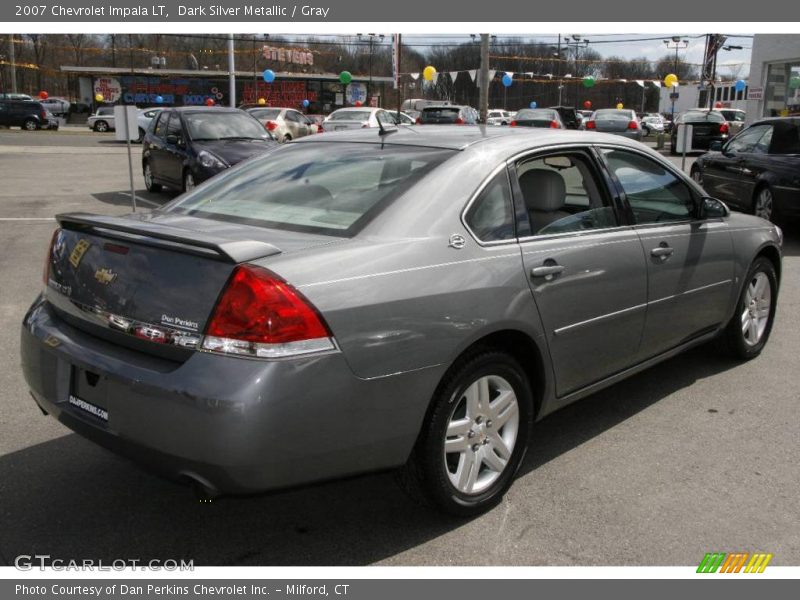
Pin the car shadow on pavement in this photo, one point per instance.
(69, 499)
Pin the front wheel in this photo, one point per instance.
(149, 182)
(474, 437)
(748, 331)
(188, 181)
(101, 127)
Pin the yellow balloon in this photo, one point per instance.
(261, 101)
(619, 106)
(670, 80)
(428, 73)
(99, 97)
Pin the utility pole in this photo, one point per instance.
(677, 43)
(558, 70)
(231, 72)
(483, 77)
(12, 59)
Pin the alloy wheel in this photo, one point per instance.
(756, 309)
(763, 206)
(481, 434)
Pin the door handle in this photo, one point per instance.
(662, 252)
(547, 271)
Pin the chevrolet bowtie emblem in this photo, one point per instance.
(105, 276)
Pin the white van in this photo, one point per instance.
(418, 104)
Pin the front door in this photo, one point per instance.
(586, 271)
(689, 260)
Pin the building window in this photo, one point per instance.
(782, 93)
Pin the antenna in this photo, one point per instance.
(383, 131)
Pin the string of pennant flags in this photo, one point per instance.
(528, 76)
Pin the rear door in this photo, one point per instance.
(156, 145)
(585, 268)
(689, 260)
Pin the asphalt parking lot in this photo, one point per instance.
(698, 454)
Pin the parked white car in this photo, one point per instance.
(498, 117)
(102, 120)
(285, 124)
(358, 117)
(652, 124)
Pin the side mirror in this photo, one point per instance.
(711, 208)
(716, 146)
(172, 140)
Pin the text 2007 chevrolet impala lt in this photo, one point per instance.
(408, 298)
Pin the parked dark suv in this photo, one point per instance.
(185, 146)
(569, 116)
(27, 114)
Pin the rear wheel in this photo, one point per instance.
(101, 126)
(474, 437)
(30, 125)
(149, 182)
(763, 204)
(287, 138)
(748, 331)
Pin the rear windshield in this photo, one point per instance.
(538, 114)
(350, 115)
(613, 115)
(440, 113)
(313, 187)
(699, 117)
(266, 113)
(211, 125)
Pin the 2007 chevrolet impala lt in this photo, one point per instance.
(410, 298)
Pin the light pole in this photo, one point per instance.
(576, 42)
(677, 43)
(372, 37)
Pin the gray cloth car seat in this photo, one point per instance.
(544, 193)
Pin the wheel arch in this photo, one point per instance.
(772, 254)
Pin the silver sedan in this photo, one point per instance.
(409, 299)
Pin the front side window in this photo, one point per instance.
(491, 216)
(654, 194)
(747, 140)
(561, 195)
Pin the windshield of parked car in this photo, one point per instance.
(266, 113)
(539, 114)
(332, 189)
(350, 115)
(212, 125)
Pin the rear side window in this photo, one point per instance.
(491, 217)
(331, 189)
(786, 138)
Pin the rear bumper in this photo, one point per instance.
(237, 425)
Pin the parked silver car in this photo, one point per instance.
(619, 121)
(102, 120)
(285, 124)
(357, 117)
(373, 300)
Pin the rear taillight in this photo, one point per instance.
(271, 125)
(44, 115)
(459, 121)
(260, 315)
(554, 125)
(419, 121)
(591, 125)
(320, 129)
(633, 125)
(724, 128)
(512, 124)
(49, 258)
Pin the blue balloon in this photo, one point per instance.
(306, 103)
(740, 85)
(269, 75)
(159, 99)
(507, 80)
(533, 104)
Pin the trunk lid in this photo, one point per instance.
(113, 276)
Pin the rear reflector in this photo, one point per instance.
(591, 125)
(260, 315)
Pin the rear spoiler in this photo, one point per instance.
(171, 238)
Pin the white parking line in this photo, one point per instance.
(27, 218)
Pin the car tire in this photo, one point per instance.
(672, 150)
(30, 125)
(645, 131)
(286, 138)
(149, 181)
(484, 459)
(101, 126)
(764, 203)
(748, 330)
(188, 181)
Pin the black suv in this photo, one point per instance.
(27, 114)
(185, 146)
(568, 115)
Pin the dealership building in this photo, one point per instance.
(188, 87)
(774, 76)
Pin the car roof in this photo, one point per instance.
(462, 137)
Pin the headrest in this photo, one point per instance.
(543, 191)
